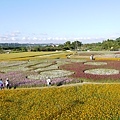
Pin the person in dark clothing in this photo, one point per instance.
(1, 84)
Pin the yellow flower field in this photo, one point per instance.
(33, 55)
(117, 59)
(84, 102)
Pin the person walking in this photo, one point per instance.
(92, 57)
(48, 81)
(7, 83)
(1, 84)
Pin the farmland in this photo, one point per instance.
(30, 69)
(82, 101)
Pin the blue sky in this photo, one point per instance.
(57, 21)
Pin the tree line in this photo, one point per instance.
(109, 44)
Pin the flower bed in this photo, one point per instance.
(95, 63)
(87, 102)
(51, 74)
(52, 67)
(34, 72)
(79, 68)
(102, 71)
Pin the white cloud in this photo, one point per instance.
(44, 34)
(39, 39)
(13, 35)
(28, 38)
(61, 38)
(64, 38)
(17, 32)
(17, 36)
(13, 38)
(56, 38)
(23, 38)
(35, 38)
(87, 38)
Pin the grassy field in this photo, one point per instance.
(80, 102)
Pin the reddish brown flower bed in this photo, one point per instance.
(88, 54)
(117, 53)
(79, 69)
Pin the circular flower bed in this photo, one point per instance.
(102, 71)
(51, 74)
(95, 63)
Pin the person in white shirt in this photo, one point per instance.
(7, 83)
(92, 57)
(48, 82)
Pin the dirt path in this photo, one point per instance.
(65, 85)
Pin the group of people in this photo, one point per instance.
(6, 84)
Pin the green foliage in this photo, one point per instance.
(110, 45)
(72, 46)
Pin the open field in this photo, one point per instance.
(83, 101)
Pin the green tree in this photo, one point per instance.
(76, 45)
(67, 45)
